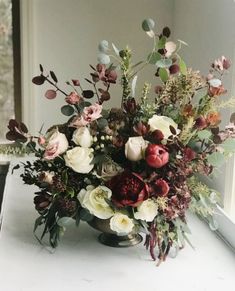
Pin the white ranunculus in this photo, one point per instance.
(82, 137)
(79, 159)
(147, 210)
(170, 47)
(94, 199)
(56, 143)
(135, 148)
(163, 124)
(121, 224)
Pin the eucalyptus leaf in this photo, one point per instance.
(164, 63)
(148, 24)
(102, 123)
(161, 42)
(65, 221)
(103, 59)
(67, 110)
(163, 74)
(183, 67)
(216, 159)
(103, 46)
(153, 58)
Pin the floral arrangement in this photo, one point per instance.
(136, 166)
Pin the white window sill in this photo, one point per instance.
(82, 263)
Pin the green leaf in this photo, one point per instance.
(161, 43)
(85, 215)
(163, 74)
(216, 159)
(64, 177)
(164, 63)
(39, 221)
(103, 59)
(70, 191)
(67, 110)
(153, 58)
(229, 145)
(148, 24)
(103, 46)
(183, 67)
(204, 134)
(65, 221)
(98, 159)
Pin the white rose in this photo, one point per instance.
(56, 144)
(163, 123)
(79, 159)
(135, 148)
(94, 199)
(82, 137)
(108, 170)
(121, 224)
(147, 210)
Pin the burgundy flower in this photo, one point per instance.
(157, 135)
(189, 154)
(158, 89)
(128, 189)
(130, 105)
(156, 156)
(160, 188)
(200, 122)
(141, 128)
(42, 200)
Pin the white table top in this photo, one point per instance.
(81, 263)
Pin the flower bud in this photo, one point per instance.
(156, 156)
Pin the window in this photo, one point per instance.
(10, 88)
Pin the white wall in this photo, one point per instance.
(63, 36)
(208, 28)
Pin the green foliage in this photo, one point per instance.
(204, 199)
(148, 24)
(216, 159)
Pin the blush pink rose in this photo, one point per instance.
(73, 98)
(92, 112)
(78, 121)
(56, 144)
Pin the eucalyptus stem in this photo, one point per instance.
(57, 88)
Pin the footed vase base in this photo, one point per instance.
(113, 240)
